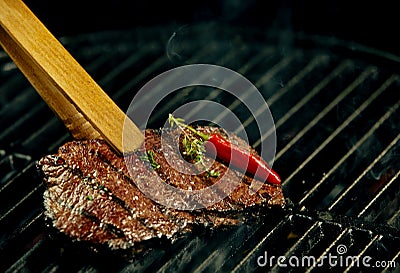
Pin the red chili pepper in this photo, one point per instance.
(241, 159)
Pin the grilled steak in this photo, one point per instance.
(92, 196)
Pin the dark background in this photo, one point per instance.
(372, 23)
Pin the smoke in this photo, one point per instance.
(173, 48)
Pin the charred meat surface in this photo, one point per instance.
(91, 195)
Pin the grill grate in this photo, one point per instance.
(337, 118)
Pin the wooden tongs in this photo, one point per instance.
(85, 109)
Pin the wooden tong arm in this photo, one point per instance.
(85, 109)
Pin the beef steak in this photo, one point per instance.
(91, 195)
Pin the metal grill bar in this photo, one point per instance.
(161, 62)
(377, 196)
(126, 64)
(394, 260)
(242, 70)
(21, 201)
(12, 83)
(346, 123)
(341, 241)
(300, 241)
(229, 251)
(38, 138)
(18, 118)
(370, 166)
(328, 108)
(328, 249)
(295, 232)
(362, 252)
(311, 66)
(243, 263)
(377, 124)
(394, 217)
(162, 113)
(20, 265)
(264, 79)
(338, 71)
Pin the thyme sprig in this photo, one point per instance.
(193, 147)
(148, 156)
(213, 173)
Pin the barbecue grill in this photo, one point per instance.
(336, 110)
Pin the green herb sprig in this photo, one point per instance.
(148, 156)
(193, 146)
